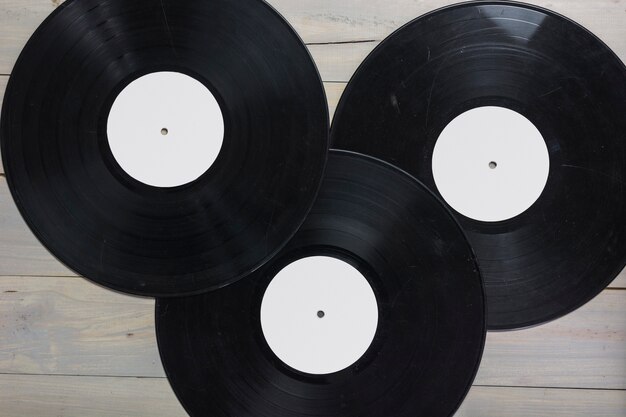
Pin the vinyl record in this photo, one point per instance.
(514, 115)
(398, 331)
(164, 147)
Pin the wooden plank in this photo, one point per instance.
(20, 252)
(68, 326)
(620, 281)
(3, 86)
(585, 349)
(67, 396)
(338, 62)
(324, 21)
(538, 402)
(333, 94)
(18, 20)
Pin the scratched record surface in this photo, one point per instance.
(164, 147)
(514, 115)
(219, 349)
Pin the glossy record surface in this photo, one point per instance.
(571, 243)
(431, 327)
(146, 240)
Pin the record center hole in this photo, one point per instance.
(493, 165)
(321, 314)
(164, 131)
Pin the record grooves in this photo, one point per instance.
(431, 324)
(181, 150)
(570, 244)
(164, 241)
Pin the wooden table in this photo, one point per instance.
(71, 348)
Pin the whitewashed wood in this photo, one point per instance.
(66, 396)
(62, 325)
(537, 402)
(70, 326)
(620, 281)
(20, 252)
(581, 348)
(3, 85)
(337, 63)
(323, 21)
(349, 20)
(333, 94)
(585, 349)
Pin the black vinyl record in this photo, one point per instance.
(571, 243)
(431, 321)
(164, 241)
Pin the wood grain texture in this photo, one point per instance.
(333, 94)
(66, 396)
(324, 21)
(517, 402)
(3, 86)
(620, 281)
(585, 349)
(20, 252)
(68, 326)
(54, 396)
(338, 62)
(73, 327)
(59, 324)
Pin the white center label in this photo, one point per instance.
(319, 315)
(165, 129)
(491, 164)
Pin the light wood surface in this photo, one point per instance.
(331, 21)
(585, 349)
(71, 348)
(69, 326)
(620, 281)
(528, 402)
(54, 396)
(67, 396)
(72, 327)
(22, 254)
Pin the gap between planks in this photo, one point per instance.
(165, 378)
(347, 20)
(21, 254)
(72, 327)
(79, 396)
(328, 22)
